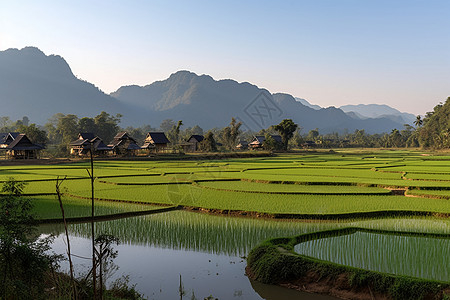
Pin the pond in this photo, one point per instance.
(207, 251)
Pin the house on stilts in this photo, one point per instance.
(19, 146)
(87, 141)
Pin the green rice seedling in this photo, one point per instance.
(422, 257)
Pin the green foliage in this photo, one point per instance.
(174, 133)
(87, 125)
(35, 134)
(286, 129)
(230, 134)
(313, 134)
(122, 289)
(107, 125)
(435, 131)
(208, 144)
(269, 143)
(23, 258)
(63, 129)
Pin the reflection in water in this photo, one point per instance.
(205, 249)
(271, 292)
(183, 230)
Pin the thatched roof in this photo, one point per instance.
(22, 142)
(86, 136)
(120, 138)
(7, 138)
(99, 145)
(85, 139)
(157, 138)
(260, 139)
(196, 138)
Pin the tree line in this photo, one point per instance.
(431, 131)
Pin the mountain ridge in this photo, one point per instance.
(379, 110)
(39, 85)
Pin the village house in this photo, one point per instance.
(243, 145)
(124, 145)
(19, 146)
(82, 145)
(7, 138)
(309, 144)
(258, 141)
(193, 142)
(155, 141)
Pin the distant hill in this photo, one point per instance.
(362, 111)
(36, 85)
(209, 103)
(306, 103)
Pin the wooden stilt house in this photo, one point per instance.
(193, 142)
(156, 142)
(82, 145)
(124, 145)
(22, 148)
(258, 141)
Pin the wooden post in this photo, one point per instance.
(94, 271)
(72, 280)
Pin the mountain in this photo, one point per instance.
(306, 103)
(209, 103)
(379, 111)
(37, 85)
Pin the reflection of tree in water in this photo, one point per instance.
(193, 231)
(225, 235)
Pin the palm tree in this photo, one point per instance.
(418, 122)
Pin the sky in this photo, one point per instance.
(329, 52)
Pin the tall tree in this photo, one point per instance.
(87, 125)
(435, 126)
(418, 122)
(67, 128)
(231, 133)
(395, 138)
(53, 134)
(35, 134)
(174, 133)
(107, 125)
(209, 143)
(313, 134)
(286, 129)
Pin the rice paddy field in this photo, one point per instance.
(306, 183)
(408, 191)
(418, 256)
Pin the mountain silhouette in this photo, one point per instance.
(212, 103)
(37, 85)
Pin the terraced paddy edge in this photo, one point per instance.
(338, 184)
(109, 217)
(276, 262)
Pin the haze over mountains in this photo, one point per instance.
(36, 85)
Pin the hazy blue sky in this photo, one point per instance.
(332, 52)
